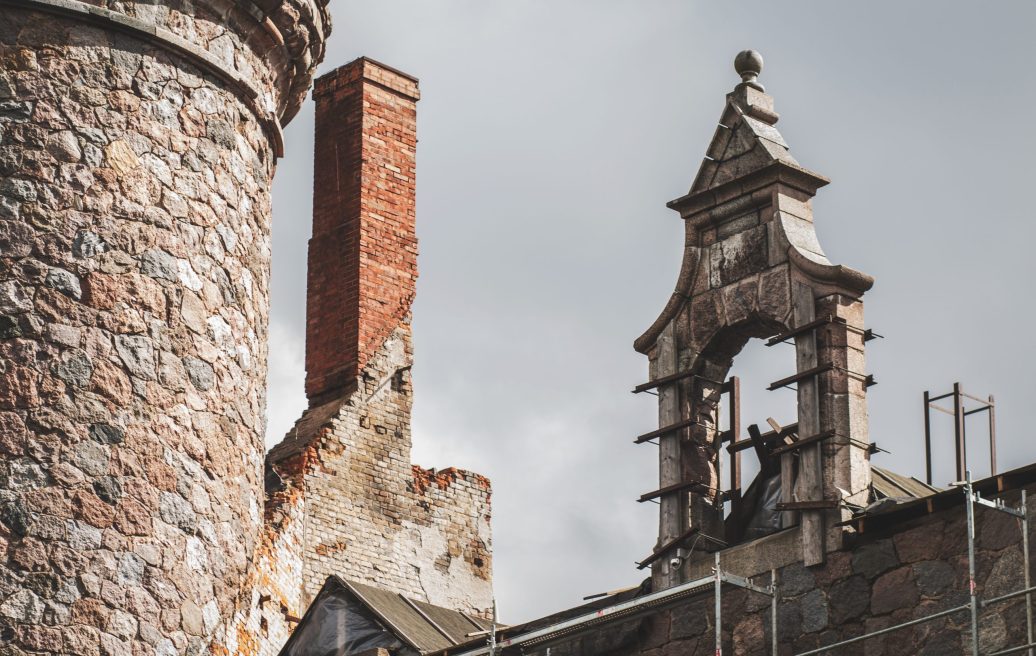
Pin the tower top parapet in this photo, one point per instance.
(264, 51)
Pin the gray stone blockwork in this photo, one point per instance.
(876, 581)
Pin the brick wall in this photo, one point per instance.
(342, 495)
(374, 518)
(363, 253)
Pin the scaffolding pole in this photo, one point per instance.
(718, 594)
(972, 592)
(719, 578)
(1028, 581)
(971, 499)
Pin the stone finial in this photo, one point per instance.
(749, 64)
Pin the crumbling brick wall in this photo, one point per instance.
(374, 518)
(342, 495)
(138, 146)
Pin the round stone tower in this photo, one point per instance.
(138, 139)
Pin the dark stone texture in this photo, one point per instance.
(934, 577)
(796, 579)
(849, 599)
(106, 434)
(690, 621)
(871, 559)
(814, 611)
(893, 591)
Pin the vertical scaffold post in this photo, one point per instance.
(928, 437)
(1027, 574)
(958, 431)
(719, 608)
(773, 611)
(969, 505)
(991, 409)
(492, 632)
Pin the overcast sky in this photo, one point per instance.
(552, 133)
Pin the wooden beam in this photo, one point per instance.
(762, 451)
(672, 511)
(807, 505)
(733, 433)
(769, 438)
(806, 441)
(810, 480)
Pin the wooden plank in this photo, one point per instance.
(768, 438)
(766, 463)
(809, 483)
(808, 505)
(787, 486)
(672, 511)
(806, 441)
(733, 434)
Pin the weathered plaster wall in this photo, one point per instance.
(134, 278)
(371, 516)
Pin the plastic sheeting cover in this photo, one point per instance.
(338, 625)
(766, 519)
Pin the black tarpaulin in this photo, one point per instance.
(338, 624)
(349, 618)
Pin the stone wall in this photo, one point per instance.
(916, 569)
(135, 172)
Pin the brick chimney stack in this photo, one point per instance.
(363, 253)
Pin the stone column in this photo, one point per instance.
(137, 148)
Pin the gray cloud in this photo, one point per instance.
(553, 133)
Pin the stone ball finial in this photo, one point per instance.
(749, 64)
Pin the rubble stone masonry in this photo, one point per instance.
(137, 145)
(906, 572)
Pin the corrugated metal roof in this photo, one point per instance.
(395, 622)
(402, 618)
(888, 484)
(891, 516)
(457, 625)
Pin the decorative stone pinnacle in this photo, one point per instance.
(749, 64)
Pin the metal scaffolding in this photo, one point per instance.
(971, 500)
(720, 579)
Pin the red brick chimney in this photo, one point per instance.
(363, 253)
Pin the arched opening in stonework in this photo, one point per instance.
(750, 484)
